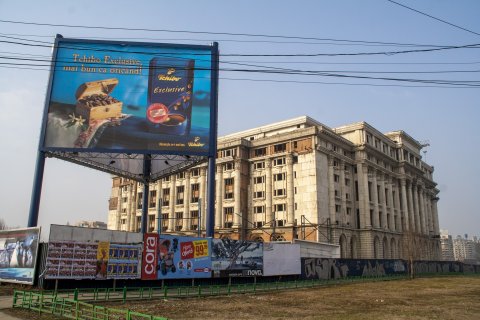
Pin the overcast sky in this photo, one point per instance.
(445, 113)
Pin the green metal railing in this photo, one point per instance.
(43, 302)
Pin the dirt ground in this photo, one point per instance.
(427, 298)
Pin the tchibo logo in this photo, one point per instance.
(149, 266)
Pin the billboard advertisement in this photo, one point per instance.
(18, 255)
(87, 260)
(130, 97)
(237, 258)
(124, 261)
(71, 260)
(176, 257)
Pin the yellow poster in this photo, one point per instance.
(102, 259)
(201, 248)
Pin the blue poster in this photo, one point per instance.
(111, 96)
(18, 255)
(183, 257)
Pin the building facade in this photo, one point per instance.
(446, 242)
(354, 186)
(466, 249)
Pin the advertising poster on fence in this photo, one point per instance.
(237, 258)
(124, 261)
(73, 255)
(125, 96)
(86, 260)
(71, 260)
(176, 257)
(18, 255)
(281, 259)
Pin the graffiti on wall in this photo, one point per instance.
(323, 268)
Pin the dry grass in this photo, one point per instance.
(427, 298)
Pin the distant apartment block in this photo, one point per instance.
(367, 191)
(446, 242)
(91, 224)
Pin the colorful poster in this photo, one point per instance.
(130, 97)
(183, 257)
(124, 261)
(103, 251)
(71, 260)
(18, 255)
(237, 258)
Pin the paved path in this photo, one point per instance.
(6, 303)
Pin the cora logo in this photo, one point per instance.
(149, 270)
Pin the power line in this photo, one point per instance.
(227, 40)
(205, 32)
(387, 53)
(100, 64)
(430, 16)
(445, 86)
(320, 73)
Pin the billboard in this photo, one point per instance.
(237, 258)
(175, 257)
(126, 97)
(18, 255)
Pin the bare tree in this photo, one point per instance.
(411, 250)
(3, 225)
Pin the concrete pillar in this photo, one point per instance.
(428, 201)
(418, 227)
(396, 206)
(363, 202)
(237, 221)
(405, 213)
(410, 208)
(331, 190)
(219, 198)
(343, 212)
(173, 198)
(187, 222)
(290, 192)
(383, 199)
(436, 228)
(268, 193)
(424, 218)
(391, 206)
(376, 221)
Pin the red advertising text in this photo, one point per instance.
(149, 261)
(186, 249)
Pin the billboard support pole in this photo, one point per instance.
(210, 221)
(36, 190)
(210, 210)
(147, 168)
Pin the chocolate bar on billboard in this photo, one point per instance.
(170, 87)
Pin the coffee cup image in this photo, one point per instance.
(163, 121)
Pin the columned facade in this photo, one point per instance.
(366, 191)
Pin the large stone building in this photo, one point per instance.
(369, 192)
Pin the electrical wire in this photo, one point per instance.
(387, 53)
(204, 32)
(430, 16)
